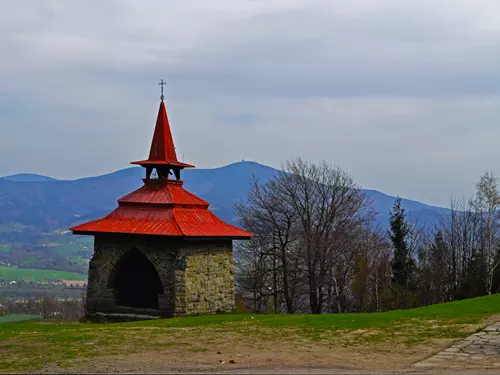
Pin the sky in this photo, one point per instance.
(403, 95)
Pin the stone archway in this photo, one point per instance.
(135, 281)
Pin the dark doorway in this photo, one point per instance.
(136, 281)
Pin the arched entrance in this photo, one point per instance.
(136, 281)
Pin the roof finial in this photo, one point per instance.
(161, 83)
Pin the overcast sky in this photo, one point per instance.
(404, 95)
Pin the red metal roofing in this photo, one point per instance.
(133, 220)
(162, 208)
(203, 223)
(155, 191)
(162, 151)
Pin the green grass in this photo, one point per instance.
(7, 273)
(4, 248)
(470, 311)
(17, 318)
(30, 344)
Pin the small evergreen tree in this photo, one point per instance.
(403, 265)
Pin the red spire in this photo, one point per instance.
(162, 146)
(162, 150)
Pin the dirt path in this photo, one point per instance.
(276, 357)
(250, 356)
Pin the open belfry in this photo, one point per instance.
(161, 252)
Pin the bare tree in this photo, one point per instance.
(371, 272)
(273, 222)
(487, 203)
(329, 207)
(307, 220)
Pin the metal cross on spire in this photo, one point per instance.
(162, 83)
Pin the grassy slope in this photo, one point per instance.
(30, 344)
(7, 273)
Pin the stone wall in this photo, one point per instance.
(207, 283)
(197, 276)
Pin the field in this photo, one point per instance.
(17, 318)
(7, 273)
(70, 246)
(383, 341)
(11, 227)
(50, 251)
(4, 248)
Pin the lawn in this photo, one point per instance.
(7, 273)
(397, 337)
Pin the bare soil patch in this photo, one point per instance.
(216, 350)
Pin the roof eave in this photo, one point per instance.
(82, 232)
(200, 238)
(189, 238)
(162, 162)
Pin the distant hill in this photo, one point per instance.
(225, 186)
(43, 204)
(422, 214)
(28, 177)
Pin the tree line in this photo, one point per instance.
(317, 247)
(46, 307)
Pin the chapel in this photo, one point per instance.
(161, 252)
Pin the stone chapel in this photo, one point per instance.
(161, 252)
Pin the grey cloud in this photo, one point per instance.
(350, 82)
(244, 119)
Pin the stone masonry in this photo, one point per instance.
(197, 276)
(209, 282)
(479, 350)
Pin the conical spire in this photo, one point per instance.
(162, 146)
(162, 151)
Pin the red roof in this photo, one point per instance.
(162, 207)
(162, 151)
(158, 192)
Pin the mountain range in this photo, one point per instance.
(41, 203)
